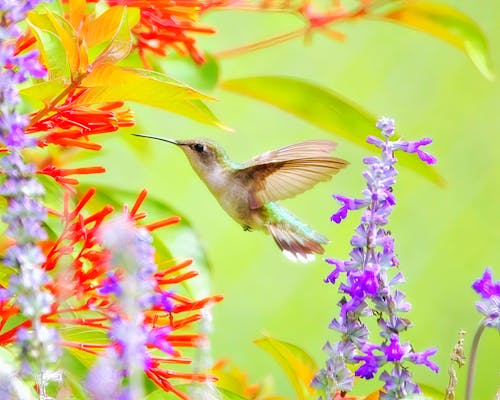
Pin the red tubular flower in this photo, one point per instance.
(70, 125)
(60, 174)
(168, 24)
(80, 267)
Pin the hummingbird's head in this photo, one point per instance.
(202, 153)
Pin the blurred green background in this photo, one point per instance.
(445, 236)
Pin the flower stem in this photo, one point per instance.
(72, 86)
(472, 361)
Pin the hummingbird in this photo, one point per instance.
(248, 191)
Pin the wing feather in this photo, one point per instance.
(286, 172)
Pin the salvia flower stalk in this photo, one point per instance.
(38, 343)
(369, 288)
(130, 248)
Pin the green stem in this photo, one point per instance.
(472, 360)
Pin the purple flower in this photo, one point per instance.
(111, 285)
(371, 361)
(414, 147)
(386, 125)
(348, 204)
(489, 306)
(395, 351)
(423, 358)
(485, 286)
(368, 287)
(158, 337)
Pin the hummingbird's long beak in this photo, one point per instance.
(157, 138)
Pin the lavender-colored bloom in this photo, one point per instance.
(134, 288)
(104, 379)
(368, 288)
(336, 374)
(398, 384)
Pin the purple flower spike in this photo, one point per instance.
(25, 214)
(369, 286)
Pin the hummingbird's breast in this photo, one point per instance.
(233, 196)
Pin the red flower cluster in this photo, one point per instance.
(70, 124)
(79, 266)
(169, 24)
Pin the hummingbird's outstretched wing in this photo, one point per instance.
(288, 171)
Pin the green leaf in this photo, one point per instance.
(191, 390)
(112, 83)
(448, 24)
(431, 392)
(184, 69)
(324, 108)
(297, 364)
(51, 46)
(315, 104)
(121, 43)
(228, 395)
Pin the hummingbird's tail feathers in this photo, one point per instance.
(297, 243)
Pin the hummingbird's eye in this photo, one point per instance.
(198, 147)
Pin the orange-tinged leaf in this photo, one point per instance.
(297, 364)
(373, 396)
(121, 43)
(76, 13)
(448, 24)
(68, 38)
(107, 24)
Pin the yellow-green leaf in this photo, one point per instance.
(52, 50)
(68, 37)
(45, 91)
(448, 24)
(111, 83)
(120, 45)
(297, 364)
(323, 108)
(431, 392)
